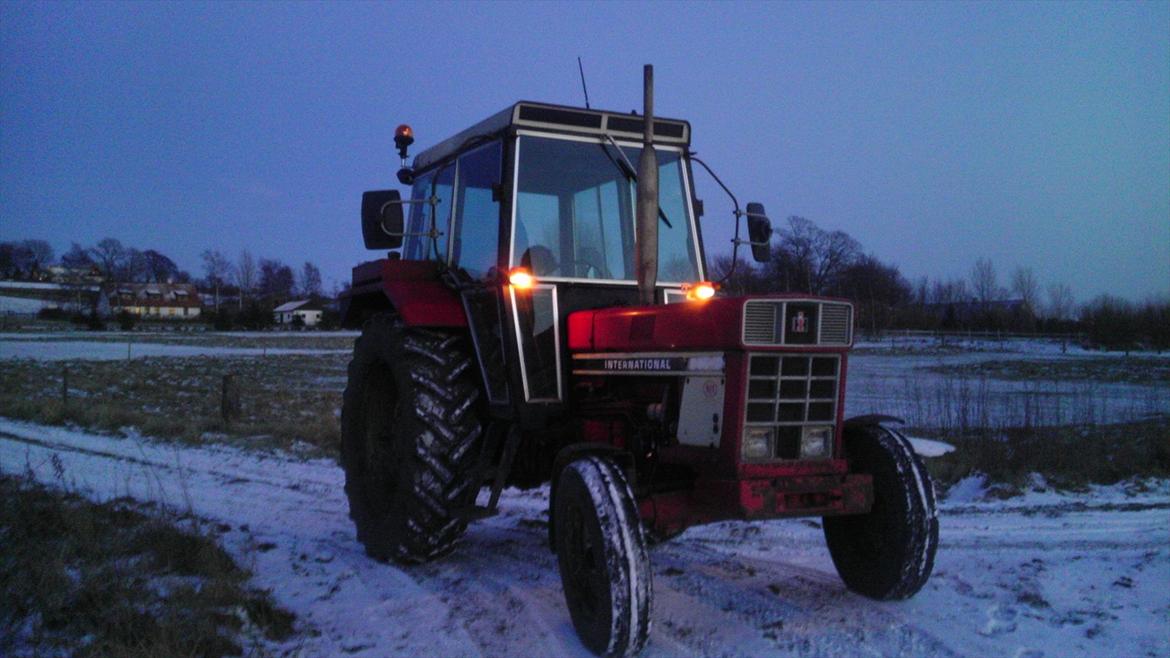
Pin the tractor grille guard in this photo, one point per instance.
(789, 396)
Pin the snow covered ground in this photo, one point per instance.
(885, 378)
(1040, 575)
(23, 305)
(899, 382)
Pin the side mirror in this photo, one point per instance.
(759, 232)
(382, 222)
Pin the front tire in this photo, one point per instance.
(410, 438)
(889, 552)
(601, 550)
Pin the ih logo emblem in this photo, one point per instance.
(800, 323)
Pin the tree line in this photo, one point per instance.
(808, 259)
(247, 280)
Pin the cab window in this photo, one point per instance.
(477, 215)
(417, 246)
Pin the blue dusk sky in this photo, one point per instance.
(1034, 134)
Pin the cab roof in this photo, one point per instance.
(554, 118)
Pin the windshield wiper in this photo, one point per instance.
(629, 171)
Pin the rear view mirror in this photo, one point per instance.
(382, 223)
(759, 232)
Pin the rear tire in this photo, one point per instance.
(889, 552)
(410, 437)
(601, 550)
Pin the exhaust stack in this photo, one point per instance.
(647, 218)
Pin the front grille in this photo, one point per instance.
(796, 322)
(787, 392)
(759, 322)
(835, 324)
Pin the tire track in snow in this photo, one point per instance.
(723, 589)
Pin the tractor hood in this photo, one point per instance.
(723, 323)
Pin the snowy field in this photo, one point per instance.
(899, 379)
(112, 345)
(887, 378)
(1044, 574)
(1040, 575)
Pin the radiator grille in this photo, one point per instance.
(835, 324)
(759, 323)
(764, 323)
(786, 392)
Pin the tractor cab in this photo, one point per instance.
(531, 216)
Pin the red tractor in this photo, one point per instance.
(544, 317)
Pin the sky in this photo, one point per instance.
(1032, 134)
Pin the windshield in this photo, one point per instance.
(575, 212)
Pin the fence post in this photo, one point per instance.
(229, 404)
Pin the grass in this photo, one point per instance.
(287, 401)
(85, 579)
(1070, 457)
(307, 340)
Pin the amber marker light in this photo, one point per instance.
(520, 278)
(700, 291)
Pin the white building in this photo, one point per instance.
(286, 314)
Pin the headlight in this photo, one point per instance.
(757, 444)
(816, 443)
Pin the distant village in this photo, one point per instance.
(110, 285)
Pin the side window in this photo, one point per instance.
(414, 243)
(477, 215)
(419, 247)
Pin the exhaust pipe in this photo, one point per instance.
(647, 217)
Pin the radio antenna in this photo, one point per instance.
(583, 87)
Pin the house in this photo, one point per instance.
(308, 311)
(174, 301)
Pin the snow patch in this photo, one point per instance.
(968, 490)
(929, 447)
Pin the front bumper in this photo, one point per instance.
(758, 498)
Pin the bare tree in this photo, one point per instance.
(984, 280)
(134, 267)
(1060, 301)
(216, 268)
(40, 252)
(76, 258)
(245, 275)
(310, 280)
(811, 259)
(1025, 286)
(276, 279)
(158, 267)
(109, 255)
(949, 292)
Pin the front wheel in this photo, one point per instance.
(889, 552)
(601, 550)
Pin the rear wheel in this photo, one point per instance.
(602, 555)
(889, 552)
(410, 438)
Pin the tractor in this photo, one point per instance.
(545, 314)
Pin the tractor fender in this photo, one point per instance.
(413, 289)
(872, 419)
(573, 452)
